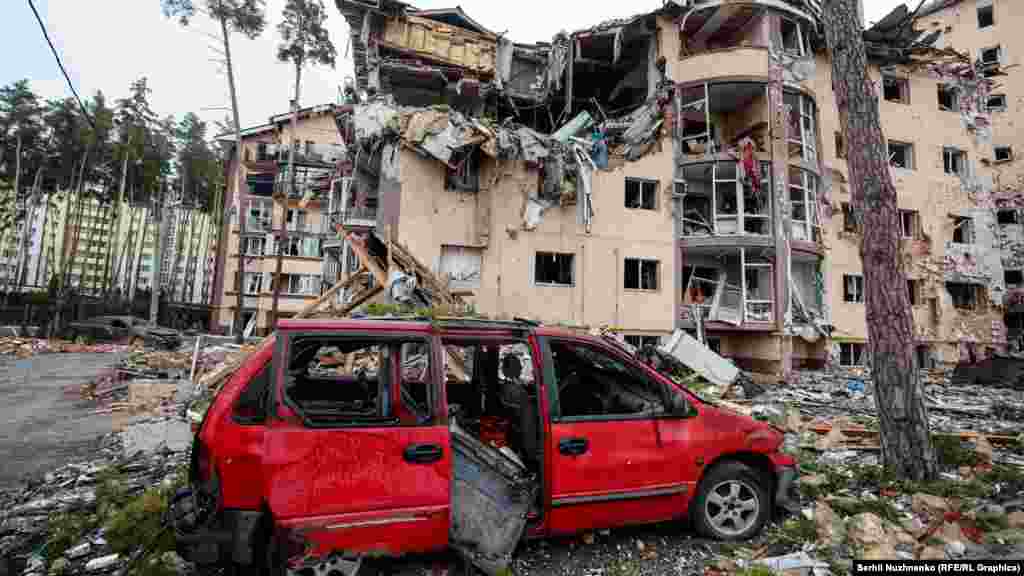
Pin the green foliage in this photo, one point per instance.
(952, 453)
(66, 530)
(304, 38)
(795, 530)
(242, 16)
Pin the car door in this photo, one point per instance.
(344, 471)
(610, 465)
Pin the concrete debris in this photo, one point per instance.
(28, 347)
(103, 563)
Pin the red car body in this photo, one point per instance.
(354, 491)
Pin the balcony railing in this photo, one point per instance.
(306, 153)
(365, 216)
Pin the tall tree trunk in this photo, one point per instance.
(90, 237)
(134, 255)
(906, 442)
(240, 299)
(73, 246)
(112, 281)
(161, 230)
(283, 198)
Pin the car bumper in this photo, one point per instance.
(787, 489)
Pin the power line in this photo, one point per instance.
(46, 35)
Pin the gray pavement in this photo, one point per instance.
(43, 421)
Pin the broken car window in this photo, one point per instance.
(592, 383)
(348, 381)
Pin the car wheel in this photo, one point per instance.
(732, 503)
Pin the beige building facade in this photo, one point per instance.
(265, 168)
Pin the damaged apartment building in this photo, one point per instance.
(683, 168)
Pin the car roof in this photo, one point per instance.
(416, 324)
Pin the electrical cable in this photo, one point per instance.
(85, 112)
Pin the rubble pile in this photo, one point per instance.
(28, 347)
(826, 396)
(35, 518)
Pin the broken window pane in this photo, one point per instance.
(853, 288)
(343, 381)
(996, 103)
(964, 296)
(1013, 278)
(641, 274)
(986, 16)
(850, 223)
(901, 155)
(948, 98)
(963, 230)
(641, 194)
(461, 266)
(851, 354)
(593, 383)
(908, 224)
(1003, 153)
(1007, 217)
(757, 277)
(466, 175)
(913, 290)
(642, 341)
(896, 89)
(991, 56)
(554, 268)
(953, 160)
(699, 284)
(791, 37)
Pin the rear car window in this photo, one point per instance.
(350, 382)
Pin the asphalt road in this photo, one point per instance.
(43, 421)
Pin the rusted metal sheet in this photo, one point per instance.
(441, 42)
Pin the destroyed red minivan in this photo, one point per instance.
(344, 439)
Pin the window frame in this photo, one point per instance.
(1006, 280)
(858, 289)
(851, 225)
(990, 10)
(801, 50)
(914, 224)
(640, 274)
(908, 153)
(1009, 153)
(954, 161)
(904, 88)
(808, 137)
(857, 353)
(1000, 108)
(971, 290)
(809, 190)
(914, 290)
(964, 225)
(645, 184)
(998, 48)
(572, 267)
(953, 92)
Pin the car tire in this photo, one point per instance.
(733, 502)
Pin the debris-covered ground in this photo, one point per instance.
(98, 514)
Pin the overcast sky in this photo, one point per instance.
(107, 44)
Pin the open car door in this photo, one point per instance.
(358, 459)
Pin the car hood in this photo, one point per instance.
(756, 435)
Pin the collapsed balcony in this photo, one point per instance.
(718, 118)
(728, 288)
